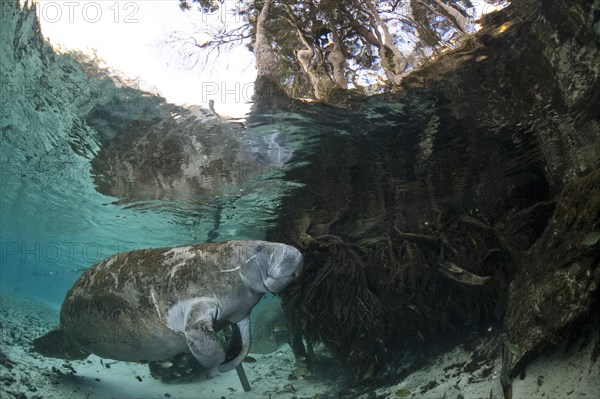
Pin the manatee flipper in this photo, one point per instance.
(201, 336)
(241, 332)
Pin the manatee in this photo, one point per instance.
(152, 304)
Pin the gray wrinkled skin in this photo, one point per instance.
(155, 303)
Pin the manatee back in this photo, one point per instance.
(132, 279)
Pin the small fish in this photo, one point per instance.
(137, 377)
(301, 371)
(402, 393)
(591, 238)
(514, 349)
(369, 372)
(107, 364)
(249, 359)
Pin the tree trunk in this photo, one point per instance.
(321, 82)
(305, 58)
(460, 21)
(337, 59)
(266, 61)
(396, 59)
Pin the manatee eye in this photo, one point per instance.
(260, 248)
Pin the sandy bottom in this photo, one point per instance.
(468, 371)
(570, 370)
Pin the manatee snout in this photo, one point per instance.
(283, 264)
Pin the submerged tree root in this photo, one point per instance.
(360, 299)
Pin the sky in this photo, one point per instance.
(133, 37)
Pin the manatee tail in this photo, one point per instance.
(56, 344)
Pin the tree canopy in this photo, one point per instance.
(314, 48)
